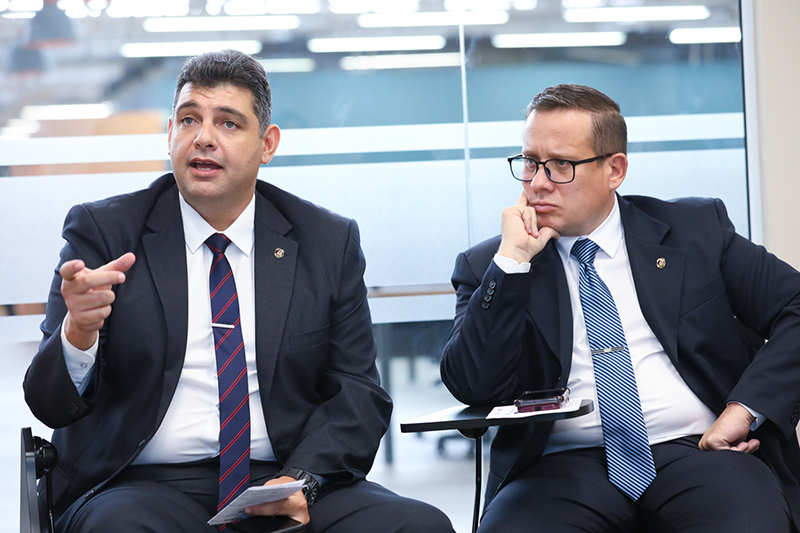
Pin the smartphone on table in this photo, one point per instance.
(542, 400)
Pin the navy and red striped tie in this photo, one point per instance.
(234, 410)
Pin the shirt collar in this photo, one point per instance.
(607, 235)
(196, 230)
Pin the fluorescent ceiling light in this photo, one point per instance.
(20, 129)
(432, 18)
(66, 112)
(637, 14)
(273, 7)
(147, 8)
(557, 40)
(449, 59)
(488, 5)
(299, 64)
(185, 49)
(377, 44)
(19, 15)
(366, 6)
(266, 22)
(706, 35)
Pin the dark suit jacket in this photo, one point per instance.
(315, 351)
(514, 332)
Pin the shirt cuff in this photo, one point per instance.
(79, 362)
(759, 418)
(510, 266)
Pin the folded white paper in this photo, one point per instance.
(234, 511)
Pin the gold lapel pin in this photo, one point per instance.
(661, 262)
(279, 253)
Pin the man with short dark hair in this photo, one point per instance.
(637, 304)
(212, 332)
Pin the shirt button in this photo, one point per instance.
(84, 365)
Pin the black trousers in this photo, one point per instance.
(182, 498)
(694, 491)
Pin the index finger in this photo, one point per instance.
(120, 264)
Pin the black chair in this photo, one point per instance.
(38, 458)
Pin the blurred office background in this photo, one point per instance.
(400, 114)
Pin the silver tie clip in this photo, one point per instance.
(226, 326)
(608, 350)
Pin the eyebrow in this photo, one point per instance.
(191, 104)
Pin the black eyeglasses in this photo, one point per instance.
(557, 170)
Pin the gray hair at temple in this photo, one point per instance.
(609, 133)
(229, 67)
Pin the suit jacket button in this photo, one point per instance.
(492, 284)
(485, 305)
(487, 298)
(72, 409)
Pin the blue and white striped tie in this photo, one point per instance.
(630, 461)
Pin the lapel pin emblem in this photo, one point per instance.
(661, 263)
(279, 253)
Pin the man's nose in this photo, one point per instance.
(205, 137)
(540, 180)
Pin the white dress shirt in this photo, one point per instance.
(671, 410)
(190, 429)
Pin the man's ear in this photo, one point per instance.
(617, 169)
(169, 136)
(272, 137)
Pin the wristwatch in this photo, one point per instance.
(312, 486)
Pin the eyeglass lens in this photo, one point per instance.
(558, 171)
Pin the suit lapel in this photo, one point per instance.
(275, 263)
(165, 251)
(657, 274)
(548, 292)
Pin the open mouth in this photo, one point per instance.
(205, 165)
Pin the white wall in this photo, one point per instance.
(777, 66)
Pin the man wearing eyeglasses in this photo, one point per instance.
(638, 304)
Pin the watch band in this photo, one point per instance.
(312, 486)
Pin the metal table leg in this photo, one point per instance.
(477, 435)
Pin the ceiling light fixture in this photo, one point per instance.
(19, 15)
(397, 61)
(66, 112)
(706, 35)
(186, 49)
(432, 18)
(553, 40)
(637, 14)
(221, 23)
(273, 7)
(377, 44)
(51, 27)
(288, 64)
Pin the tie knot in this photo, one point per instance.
(584, 250)
(218, 242)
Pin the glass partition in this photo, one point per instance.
(399, 114)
